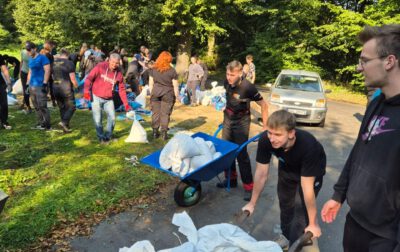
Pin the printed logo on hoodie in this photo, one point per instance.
(375, 127)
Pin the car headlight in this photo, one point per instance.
(275, 98)
(320, 103)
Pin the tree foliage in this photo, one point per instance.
(309, 34)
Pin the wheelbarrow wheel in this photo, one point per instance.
(187, 193)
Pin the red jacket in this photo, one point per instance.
(103, 80)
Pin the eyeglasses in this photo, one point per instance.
(363, 61)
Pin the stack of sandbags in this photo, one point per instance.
(184, 154)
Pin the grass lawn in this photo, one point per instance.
(55, 178)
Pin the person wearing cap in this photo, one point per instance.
(99, 86)
(64, 81)
(38, 79)
(5, 83)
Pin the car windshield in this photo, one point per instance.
(299, 82)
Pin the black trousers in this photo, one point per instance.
(162, 107)
(39, 100)
(294, 217)
(358, 239)
(3, 104)
(237, 131)
(24, 79)
(64, 95)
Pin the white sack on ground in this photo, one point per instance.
(137, 134)
(217, 238)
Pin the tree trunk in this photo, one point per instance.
(211, 45)
(183, 54)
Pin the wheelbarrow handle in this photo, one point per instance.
(302, 241)
(253, 139)
(218, 130)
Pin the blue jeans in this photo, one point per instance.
(98, 105)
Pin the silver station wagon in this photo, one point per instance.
(301, 93)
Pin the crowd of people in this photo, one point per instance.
(369, 181)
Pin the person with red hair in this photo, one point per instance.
(163, 83)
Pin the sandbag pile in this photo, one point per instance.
(184, 154)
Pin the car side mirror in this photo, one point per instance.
(328, 91)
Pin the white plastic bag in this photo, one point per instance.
(17, 88)
(11, 100)
(137, 134)
(141, 98)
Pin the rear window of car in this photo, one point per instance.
(299, 82)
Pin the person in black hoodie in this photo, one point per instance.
(370, 180)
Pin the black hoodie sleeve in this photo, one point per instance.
(342, 184)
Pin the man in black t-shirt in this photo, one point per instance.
(64, 77)
(302, 162)
(239, 93)
(5, 83)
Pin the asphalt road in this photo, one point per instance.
(218, 206)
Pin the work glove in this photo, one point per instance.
(86, 96)
(128, 108)
(45, 88)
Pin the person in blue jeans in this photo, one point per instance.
(98, 88)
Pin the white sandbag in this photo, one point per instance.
(181, 146)
(206, 101)
(198, 161)
(203, 147)
(11, 100)
(211, 146)
(214, 84)
(218, 91)
(141, 98)
(17, 88)
(217, 155)
(137, 134)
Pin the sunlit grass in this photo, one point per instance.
(51, 176)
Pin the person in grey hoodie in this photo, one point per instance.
(370, 179)
(196, 72)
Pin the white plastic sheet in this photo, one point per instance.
(217, 238)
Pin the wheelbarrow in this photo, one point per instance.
(188, 191)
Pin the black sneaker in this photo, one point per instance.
(247, 195)
(224, 184)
